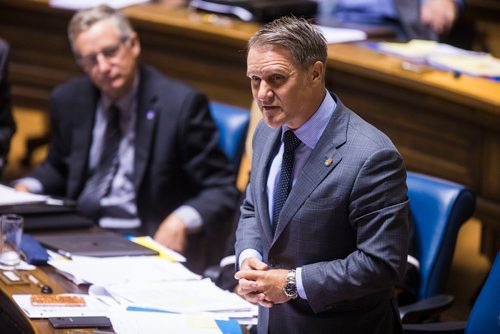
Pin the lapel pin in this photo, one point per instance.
(328, 162)
(150, 114)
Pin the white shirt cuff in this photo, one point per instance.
(410, 259)
(248, 253)
(31, 183)
(300, 286)
(190, 216)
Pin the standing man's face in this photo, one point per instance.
(109, 61)
(284, 91)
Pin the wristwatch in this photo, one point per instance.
(290, 288)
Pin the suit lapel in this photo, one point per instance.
(82, 138)
(322, 161)
(268, 153)
(145, 125)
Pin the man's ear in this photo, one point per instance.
(135, 44)
(317, 72)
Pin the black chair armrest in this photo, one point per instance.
(425, 309)
(213, 272)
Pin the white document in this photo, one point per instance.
(133, 322)
(485, 66)
(180, 296)
(93, 307)
(81, 4)
(421, 50)
(10, 196)
(341, 35)
(123, 269)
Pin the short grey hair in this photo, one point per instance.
(304, 41)
(86, 18)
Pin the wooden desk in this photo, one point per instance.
(443, 126)
(13, 317)
(10, 314)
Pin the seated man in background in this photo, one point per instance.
(7, 125)
(410, 19)
(136, 150)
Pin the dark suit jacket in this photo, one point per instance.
(462, 33)
(409, 18)
(7, 125)
(345, 223)
(177, 160)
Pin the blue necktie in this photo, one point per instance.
(99, 182)
(285, 181)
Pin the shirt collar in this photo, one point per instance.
(310, 132)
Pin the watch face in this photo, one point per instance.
(290, 290)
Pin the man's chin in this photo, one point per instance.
(272, 123)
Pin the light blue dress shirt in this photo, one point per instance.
(309, 134)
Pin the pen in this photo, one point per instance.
(64, 253)
(61, 252)
(36, 281)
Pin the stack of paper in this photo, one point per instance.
(122, 269)
(420, 50)
(445, 57)
(10, 196)
(484, 66)
(92, 307)
(139, 322)
(148, 284)
(341, 35)
(179, 296)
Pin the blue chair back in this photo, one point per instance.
(438, 209)
(232, 123)
(484, 317)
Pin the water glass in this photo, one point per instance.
(11, 231)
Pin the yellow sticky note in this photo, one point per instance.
(147, 242)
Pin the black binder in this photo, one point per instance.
(42, 216)
(258, 10)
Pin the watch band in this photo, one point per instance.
(290, 288)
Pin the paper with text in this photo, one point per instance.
(123, 269)
(93, 307)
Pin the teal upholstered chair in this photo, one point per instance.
(232, 123)
(484, 317)
(438, 208)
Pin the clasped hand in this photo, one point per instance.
(261, 285)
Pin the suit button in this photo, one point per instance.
(272, 262)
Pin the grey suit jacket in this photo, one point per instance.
(345, 223)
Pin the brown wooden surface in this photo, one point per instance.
(443, 126)
(48, 276)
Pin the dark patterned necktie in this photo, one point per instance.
(285, 181)
(99, 183)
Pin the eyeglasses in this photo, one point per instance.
(90, 60)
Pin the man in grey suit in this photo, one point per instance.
(323, 256)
